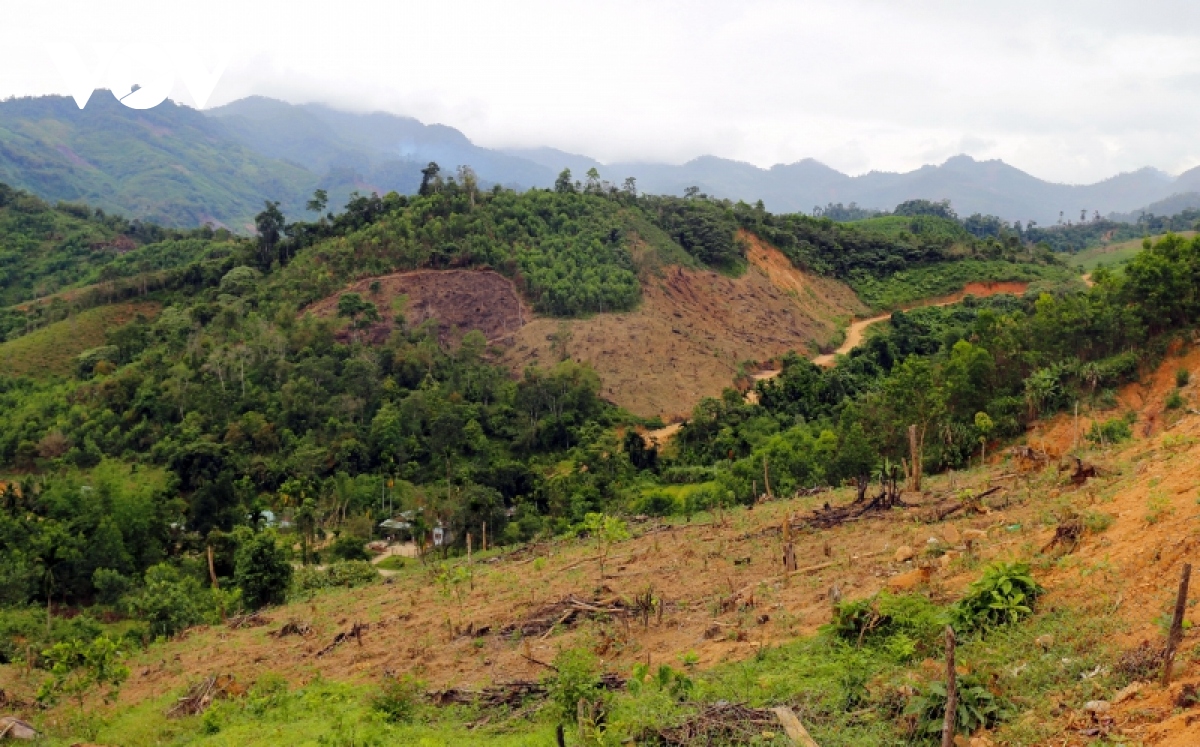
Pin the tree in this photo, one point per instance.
(592, 186)
(261, 570)
(606, 530)
(361, 312)
(269, 224)
(318, 202)
(430, 181)
(629, 187)
(563, 184)
(984, 424)
(76, 667)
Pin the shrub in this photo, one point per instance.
(901, 625)
(1005, 594)
(349, 547)
(261, 570)
(977, 708)
(77, 666)
(1174, 400)
(1112, 431)
(1182, 377)
(576, 678)
(656, 503)
(398, 698)
(169, 601)
(348, 573)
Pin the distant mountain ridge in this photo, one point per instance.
(180, 166)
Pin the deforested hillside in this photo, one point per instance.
(228, 440)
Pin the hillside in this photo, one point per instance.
(730, 622)
(294, 397)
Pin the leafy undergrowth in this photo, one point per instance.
(914, 284)
(53, 349)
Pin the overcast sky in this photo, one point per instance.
(1075, 92)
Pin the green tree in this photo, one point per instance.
(430, 181)
(269, 224)
(563, 184)
(262, 570)
(606, 530)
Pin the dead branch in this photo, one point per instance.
(355, 632)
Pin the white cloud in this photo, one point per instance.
(1072, 91)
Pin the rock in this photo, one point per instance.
(1044, 642)
(1127, 692)
(909, 580)
(951, 535)
(981, 742)
(904, 553)
(946, 560)
(974, 534)
(1097, 707)
(12, 727)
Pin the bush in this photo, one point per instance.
(1182, 377)
(110, 585)
(261, 570)
(656, 503)
(977, 708)
(349, 547)
(901, 625)
(169, 601)
(577, 677)
(1111, 431)
(1005, 594)
(398, 699)
(348, 573)
(1174, 400)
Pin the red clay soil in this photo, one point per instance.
(459, 300)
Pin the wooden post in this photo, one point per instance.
(766, 479)
(1176, 623)
(951, 691)
(468, 548)
(484, 548)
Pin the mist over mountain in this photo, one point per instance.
(180, 166)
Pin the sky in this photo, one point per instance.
(1069, 91)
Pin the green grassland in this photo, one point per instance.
(52, 350)
(1113, 256)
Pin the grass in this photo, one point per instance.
(1113, 255)
(945, 278)
(846, 695)
(53, 349)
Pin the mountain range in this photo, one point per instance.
(176, 165)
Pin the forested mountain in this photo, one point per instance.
(385, 152)
(177, 166)
(170, 164)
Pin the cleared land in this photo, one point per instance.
(693, 329)
(457, 300)
(724, 601)
(52, 349)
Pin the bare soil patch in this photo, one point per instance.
(692, 330)
(458, 300)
